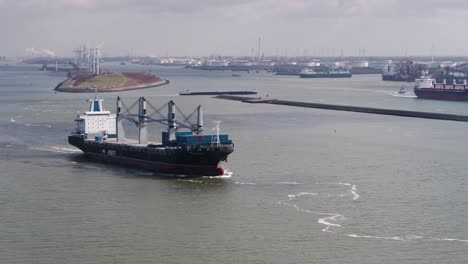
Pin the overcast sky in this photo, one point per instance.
(205, 27)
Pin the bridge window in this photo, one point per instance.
(96, 106)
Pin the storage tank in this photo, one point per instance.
(360, 64)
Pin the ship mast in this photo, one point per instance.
(215, 138)
(119, 124)
(142, 118)
(171, 120)
(142, 130)
(199, 120)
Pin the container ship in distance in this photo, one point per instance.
(308, 73)
(100, 135)
(427, 88)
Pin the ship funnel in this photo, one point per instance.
(95, 105)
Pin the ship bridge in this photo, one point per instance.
(96, 120)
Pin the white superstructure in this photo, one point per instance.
(96, 120)
(307, 71)
(244, 63)
(218, 63)
(425, 82)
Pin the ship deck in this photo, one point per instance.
(129, 142)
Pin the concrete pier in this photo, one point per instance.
(369, 110)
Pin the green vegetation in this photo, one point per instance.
(104, 81)
(109, 82)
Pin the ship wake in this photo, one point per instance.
(396, 94)
(57, 149)
(332, 222)
(329, 221)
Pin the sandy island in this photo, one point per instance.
(109, 82)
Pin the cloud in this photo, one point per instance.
(56, 3)
(254, 8)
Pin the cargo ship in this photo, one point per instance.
(100, 135)
(427, 88)
(308, 73)
(404, 71)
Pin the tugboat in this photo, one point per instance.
(100, 135)
(403, 90)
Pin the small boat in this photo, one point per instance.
(403, 91)
(236, 75)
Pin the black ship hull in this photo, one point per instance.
(441, 94)
(199, 160)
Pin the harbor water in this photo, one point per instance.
(302, 186)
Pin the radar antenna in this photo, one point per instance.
(215, 138)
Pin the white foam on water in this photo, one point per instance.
(326, 221)
(396, 238)
(396, 94)
(66, 149)
(57, 149)
(191, 181)
(451, 239)
(352, 190)
(407, 238)
(12, 120)
(287, 183)
(306, 193)
(412, 237)
(227, 174)
(245, 183)
(329, 221)
(343, 183)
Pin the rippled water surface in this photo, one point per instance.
(303, 185)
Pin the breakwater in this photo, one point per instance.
(360, 109)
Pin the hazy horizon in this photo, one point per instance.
(232, 28)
